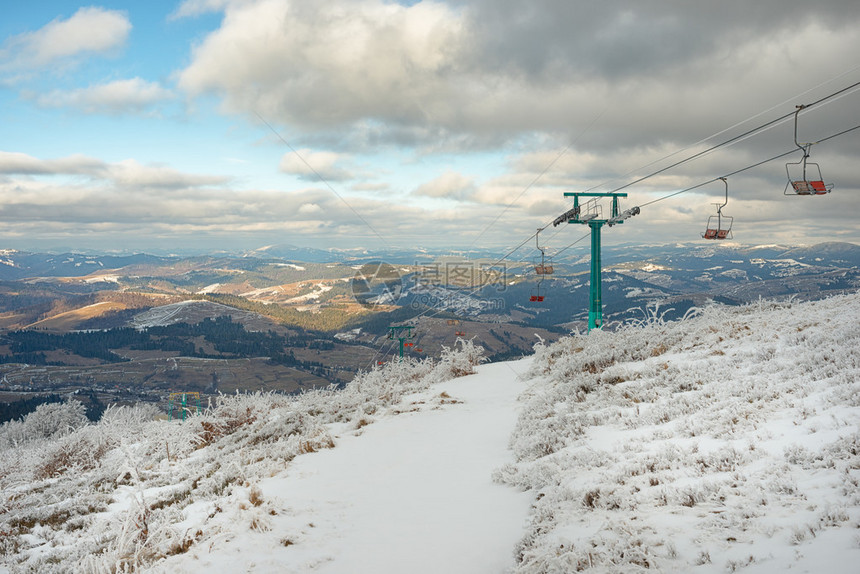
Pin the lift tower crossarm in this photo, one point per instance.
(595, 304)
(577, 217)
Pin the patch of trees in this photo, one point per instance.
(25, 358)
(228, 339)
(91, 344)
(321, 345)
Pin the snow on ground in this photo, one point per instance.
(729, 441)
(411, 493)
(291, 265)
(164, 314)
(319, 290)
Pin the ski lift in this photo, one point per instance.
(543, 267)
(804, 177)
(717, 227)
(459, 333)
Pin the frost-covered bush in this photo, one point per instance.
(49, 420)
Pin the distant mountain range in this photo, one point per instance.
(635, 278)
(75, 322)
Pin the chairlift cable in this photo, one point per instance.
(321, 178)
(572, 244)
(740, 137)
(540, 175)
(378, 351)
(841, 93)
(747, 168)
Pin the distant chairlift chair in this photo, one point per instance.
(543, 267)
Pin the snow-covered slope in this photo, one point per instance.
(728, 441)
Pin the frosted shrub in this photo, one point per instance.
(80, 451)
(49, 420)
(119, 417)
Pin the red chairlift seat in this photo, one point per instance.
(820, 188)
(717, 234)
(719, 227)
(815, 187)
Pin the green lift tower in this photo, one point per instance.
(590, 215)
(396, 332)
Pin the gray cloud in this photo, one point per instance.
(128, 173)
(484, 72)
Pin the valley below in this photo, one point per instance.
(110, 329)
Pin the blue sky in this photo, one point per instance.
(233, 124)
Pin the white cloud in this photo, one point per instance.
(313, 166)
(90, 30)
(330, 63)
(134, 95)
(449, 185)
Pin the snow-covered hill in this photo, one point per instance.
(724, 442)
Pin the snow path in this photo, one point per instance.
(408, 493)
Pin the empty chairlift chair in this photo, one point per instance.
(543, 267)
(804, 176)
(719, 225)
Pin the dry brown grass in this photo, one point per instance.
(212, 431)
(71, 319)
(255, 496)
(80, 454)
